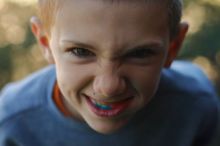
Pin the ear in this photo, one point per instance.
(176, 43)
(42, 38)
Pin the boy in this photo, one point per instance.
(107, 85)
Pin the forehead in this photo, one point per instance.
(145, 8)
(126, 21)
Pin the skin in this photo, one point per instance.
(108, 53)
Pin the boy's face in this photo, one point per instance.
(108, 58)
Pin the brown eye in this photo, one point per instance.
(81, 52)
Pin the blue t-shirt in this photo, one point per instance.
(183, 112)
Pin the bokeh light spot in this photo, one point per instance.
(207, 67)
(24, 2)
(2, 5)
(12, 37)
(9, 20)
(195, 15)
(213, 2)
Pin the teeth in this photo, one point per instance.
(93, 101)
(98, 103)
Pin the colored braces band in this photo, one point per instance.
(103, 107)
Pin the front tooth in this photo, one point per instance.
(98, 103)
(93, 101)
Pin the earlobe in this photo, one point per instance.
(176, 44)
(42, 39)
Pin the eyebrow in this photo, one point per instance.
(77, 43)
(156, 46)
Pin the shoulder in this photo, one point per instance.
(187, 78)
(26, 94)
(185, 85)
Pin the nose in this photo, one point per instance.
(109, 84)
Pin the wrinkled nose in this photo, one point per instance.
(109, 85)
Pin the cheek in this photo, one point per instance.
(148, 86)
(146, 82)
(73, 78)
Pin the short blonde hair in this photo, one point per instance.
(49, 8)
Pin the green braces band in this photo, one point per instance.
(103, 107)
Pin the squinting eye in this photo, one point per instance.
(81, 52)
(140, 53)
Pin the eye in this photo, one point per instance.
(141, 53)
(81, 52)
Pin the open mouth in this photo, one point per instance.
(108, 109)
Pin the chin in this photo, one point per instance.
(107, 127)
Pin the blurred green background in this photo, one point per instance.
(20, 55)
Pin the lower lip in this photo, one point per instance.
(116, 109)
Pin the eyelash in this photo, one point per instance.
(141, 53)
(81, 52)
